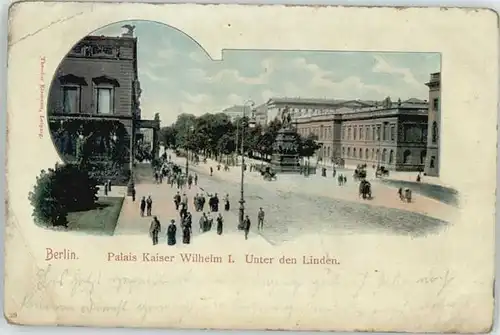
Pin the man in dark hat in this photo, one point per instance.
(154, 230)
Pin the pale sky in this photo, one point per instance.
(177, 75)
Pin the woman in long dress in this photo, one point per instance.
(226, 203)
(171, 233)
(186, 234)
(220, 222)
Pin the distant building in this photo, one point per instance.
(434, 125)
(237, 111)
(273, 108)
(390, 134)
(95, 94)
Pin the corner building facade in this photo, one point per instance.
(434, 125)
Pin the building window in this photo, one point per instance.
(71, 99)
(71, 88)
(391, 156)
(355, 133)
(360, 153)
(378, 133)
(104, 100)
(361, 132)
(378, 155)
(406, 157)
(104, 94)
(354, 153)
(367, 133)
(373, 154)
(435, 104)
(434, 132)
(432, 162)
(343, 152)
(366, 153)
(349, 133)
(384, 155)
(423, 154)
(393, 132)
(348, 152)
(373, 134)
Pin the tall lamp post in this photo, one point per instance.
(188, 136)
(241, 215)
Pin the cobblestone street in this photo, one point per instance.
(294, 205)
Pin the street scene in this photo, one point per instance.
(159, 140)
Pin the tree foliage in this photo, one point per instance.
(66, 188)
(216, 134)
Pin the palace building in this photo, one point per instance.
(95, 98)
(389, 134)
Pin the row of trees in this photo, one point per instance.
(215, 135)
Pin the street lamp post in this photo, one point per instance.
(190, 129)
(241, 212)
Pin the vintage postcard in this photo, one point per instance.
(251, 167)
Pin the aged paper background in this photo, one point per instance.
(440, 283)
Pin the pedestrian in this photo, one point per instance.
(211, 171)
(203, 200)
(345, 180)
(154, 230)
(184, 201)
(196, 202)
(216, 203)
(109, 185)
(334, 172)
(226, 203)
(195, 179)
(186, 234)
(202, 222)
(183, 211)
(177, 200)
(190, 181)
(143, 205)
(400, 193)
(260, 219)
(220, 222)
(106, 188)
(171, 233)
(149, 205)
(246, 226)
(133, 194)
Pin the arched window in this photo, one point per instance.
(366, 153)
(355, 133)
(423, 154)
(373, 154)
(391, 156)
(354, 153)
(343, 152)
(434, 132)
(348, 152)
(384, 155)
(328, 151)
(406, 157)
(361, 153)
(349, 133)
(367, 133)
(378, 154)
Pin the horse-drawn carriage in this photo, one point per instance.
(359, 173)
(365, 189)
(268, 174)
(381, 172)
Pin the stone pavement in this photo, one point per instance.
(383, 195)
(130, 221)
